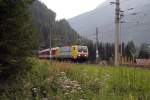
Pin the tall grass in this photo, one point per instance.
(97, 83)
(113, 83)
(40, 77)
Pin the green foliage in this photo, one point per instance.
(60, 31)
(44, 20)
(21, 88)
(65, 34)
(56, 82)
(144, 51)
(130, 50)
(106, 51)
(17, 37)
(112, 83)
(92, 51)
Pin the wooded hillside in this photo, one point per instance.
(46, 24)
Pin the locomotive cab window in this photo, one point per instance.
(82, 49)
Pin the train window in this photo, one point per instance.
(74, 48)
(82, 49)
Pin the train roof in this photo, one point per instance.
(49, 49)
(44, 50)
(54, 48)
(80, 45)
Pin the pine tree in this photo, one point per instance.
(17, 36)
(130, 50)
(144, 51)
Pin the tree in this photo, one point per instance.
(130, 50)
(17, 37)
(45, 21)
(65, 34)
(91, 49)
(144, 51)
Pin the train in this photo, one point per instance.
(72, 53)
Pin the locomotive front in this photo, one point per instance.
(82, 52)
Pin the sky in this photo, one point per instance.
(71, 8)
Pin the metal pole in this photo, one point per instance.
(121, 41)
(117, 30)
(121, 38)
(50, 46)
(97, 55)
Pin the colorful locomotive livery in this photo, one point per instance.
(75, 53)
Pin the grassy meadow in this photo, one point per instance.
(63, 81)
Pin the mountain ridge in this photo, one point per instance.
(103, 17)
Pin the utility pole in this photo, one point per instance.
(97, 53)
(117, 30)
(121, 38)
(50, 44)
(118, 21)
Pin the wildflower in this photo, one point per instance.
(73, 91)
(79, 88)
(65, 85)
(66, 93)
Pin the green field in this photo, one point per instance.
(62, 81)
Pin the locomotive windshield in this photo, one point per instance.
(82, 49)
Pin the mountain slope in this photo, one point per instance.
(136, 27)
(45, 23)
